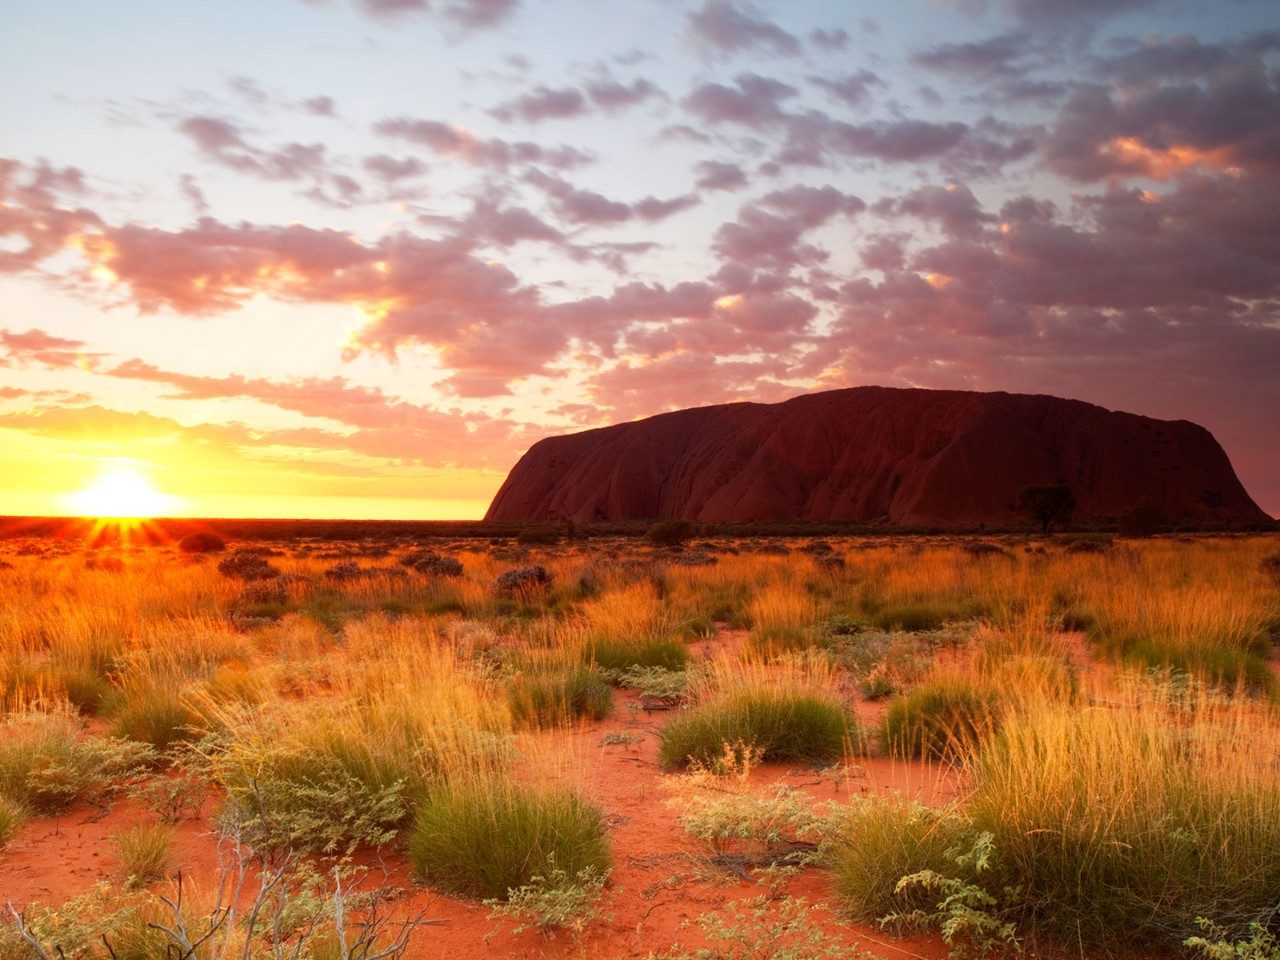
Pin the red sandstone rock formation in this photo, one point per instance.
(875, 454)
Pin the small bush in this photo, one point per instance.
(671, 533)
(247, 565)
(537, 536)
(523, 583)
(781, 724)
(656, 683)
(559, 901)
(940, 720)
(487, 838)
(283, 797)
(202, 541)
(145, 853)
(547, 695)
(1261, 944)
(1270, 567)
(46, 766)
(432, 564)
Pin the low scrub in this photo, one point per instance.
(485, 838)
(942, 719)
(154, 713)
(546, 695)
(12, 816)
(780, 724)
(145, 853)
(1223, 665)
(622, 654)
(921, 616)
(874, 842)
(1128, 824)
(46, 764)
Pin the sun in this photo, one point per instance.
(122, 493)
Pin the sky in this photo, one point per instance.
(349, 258)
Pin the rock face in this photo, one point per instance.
(877, 455)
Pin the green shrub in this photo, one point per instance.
(46, 766)
(283, 798)
(1261, 944)
(771, 926)
(489, 837)
(780, 724)
(654, 683)
(548, 694)
(74, 929)
(974, 917)
(669, 533)
(874, 842)
(940, 720)
(559, 901)
(620, 654)
(145, 853)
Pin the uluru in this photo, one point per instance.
(906, 457)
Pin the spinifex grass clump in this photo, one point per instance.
(547, 694)
(1205, 616)
(874, 842)
(12, 816)
(942, 719)
(1129, 823)
(486, 836)
(784, 619)
(630, 627)
(348, 771)
(145, 853)
(782, 711)
(152, 710)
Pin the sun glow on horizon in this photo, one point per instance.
(122, 492)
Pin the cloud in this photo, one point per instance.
(720, 175)
(321, 106)
(829, 40)
(544, 103)
(852, 89)
(393, 169)
(470, 14)
(953, 207)
(769, 232)
(752, 101)
(33, 212)
(225, 143)
(588, 208)
(457, 143)
(565, 103)
(37, 347)
(725, 28)
(814, 138)
(1157, 129)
